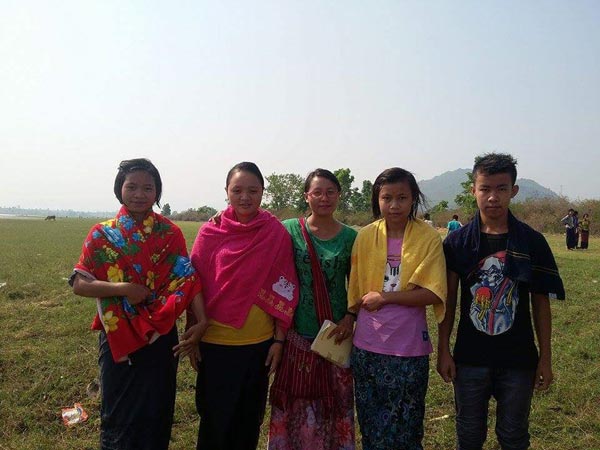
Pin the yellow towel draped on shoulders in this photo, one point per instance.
(423, 262)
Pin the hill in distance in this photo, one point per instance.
(447, 186)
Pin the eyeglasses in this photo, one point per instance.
(318, 194)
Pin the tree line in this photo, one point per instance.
(284, 196)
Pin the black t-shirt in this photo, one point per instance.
(495, 328)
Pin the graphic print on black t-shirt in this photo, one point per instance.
(495, 297)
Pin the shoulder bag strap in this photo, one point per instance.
(321, 296)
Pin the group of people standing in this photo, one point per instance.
(256, 292)
(576, 230)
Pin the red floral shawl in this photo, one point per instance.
(152, 254)
(241, 265)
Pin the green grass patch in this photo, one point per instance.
(48, 355)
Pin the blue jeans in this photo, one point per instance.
(512, 389)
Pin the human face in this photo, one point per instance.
(139, 193)
(395, 203)
(244, 193)
(493, 194)
(322, 196)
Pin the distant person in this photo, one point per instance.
(584, 231)
(245, 261)
(137, 267)
(316, 412)
(569, 222)
(505, 268)
(576, 225)
(427, 219)
(398, 269)
(454, 224)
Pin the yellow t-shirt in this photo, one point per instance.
(259, 327)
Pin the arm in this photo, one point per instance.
(445, 363)
(345, 327)
(196, 325)
(542, 319)
(86, 287)
(419, 296)
(276, 350)
(354, 297)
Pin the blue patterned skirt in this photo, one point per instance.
(390, 399)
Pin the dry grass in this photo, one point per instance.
(48, 355)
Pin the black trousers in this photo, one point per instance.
(231, 395)
(138, 397)
(571, 238)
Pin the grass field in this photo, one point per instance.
(48, 354)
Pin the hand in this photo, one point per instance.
(195, 358)
(136, 293)
(188, 344)
(216, 218)
(543, 375)
(274, 357)
(344, 329)
(446, 366)
(372, 301)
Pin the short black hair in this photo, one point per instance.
(135, 165)
(245, 166)
(455, 216)
(493, 163)
(396, 175)
(323, 173)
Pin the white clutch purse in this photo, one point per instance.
(338, 354)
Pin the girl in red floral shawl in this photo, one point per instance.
(136, 266)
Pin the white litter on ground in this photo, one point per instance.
(445, 416)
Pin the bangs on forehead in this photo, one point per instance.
(128, 179)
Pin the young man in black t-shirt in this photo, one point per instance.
(507, 274)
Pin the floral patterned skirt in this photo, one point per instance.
(307, 424)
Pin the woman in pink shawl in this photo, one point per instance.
(246, 267)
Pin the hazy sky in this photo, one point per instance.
(292, 85)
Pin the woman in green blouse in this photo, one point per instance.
(322, 416)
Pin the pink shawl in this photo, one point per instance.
(241, 265)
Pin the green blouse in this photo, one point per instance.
(334, 257)
(584, 225)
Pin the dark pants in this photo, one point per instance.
(231, 395)
(512, 389)
(571, 238)
(138, 397)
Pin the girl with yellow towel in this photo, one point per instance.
(397, 268)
